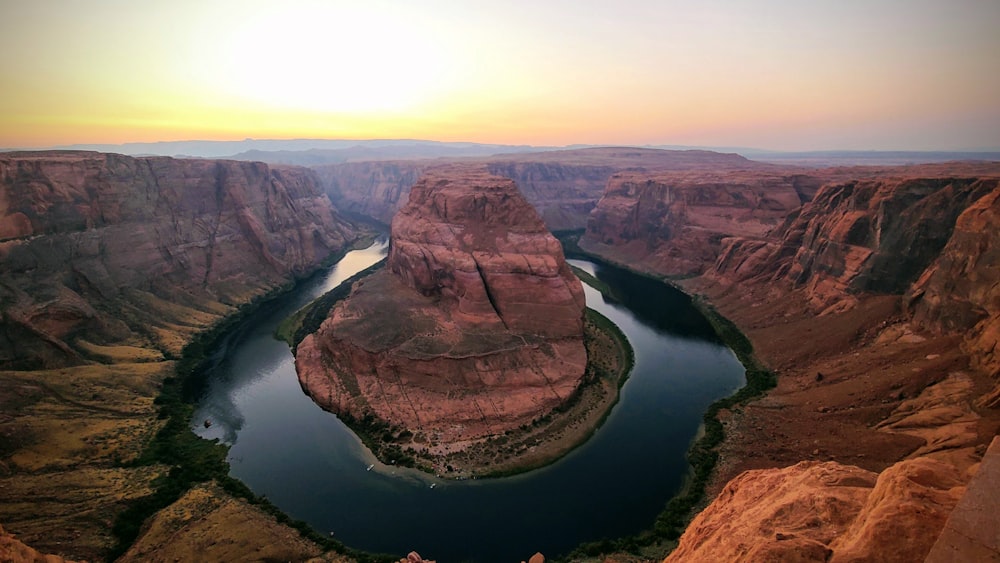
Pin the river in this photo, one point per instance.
(305, 461)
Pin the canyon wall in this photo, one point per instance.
(474, 327)
(959, 292)
(562, 194)
(876, 302)
(868, 236)
(563, 186)
(674, 223)
(97, 248)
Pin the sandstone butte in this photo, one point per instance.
(473, 328)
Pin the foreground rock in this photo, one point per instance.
(13, 551)
(474, 327)
(825, 512)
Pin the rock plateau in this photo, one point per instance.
(473, 328)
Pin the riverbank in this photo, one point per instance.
(703, 454)
(555, 434)
(88, 453)
(185, 462)
(846, 379)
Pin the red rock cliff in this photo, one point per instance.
(98, 245)
(473, 328)
(853, 299)
(674, 223)
(875, 236)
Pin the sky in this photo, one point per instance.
(773, 74)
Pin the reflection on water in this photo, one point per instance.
(312, 467)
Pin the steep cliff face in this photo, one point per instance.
(867, 236)
(825, 512)
(473, 328)
(374, 189)
(674, 223)
(99, 248)
(959, 291)
(876, 303)
(563, 194)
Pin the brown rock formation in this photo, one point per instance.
(206, 524)
(101, 245)
(13, 551)
(374, 189)
(473, 328)
(825, 512)
(875, 284)
(674, 223)
(563, 186)
(959, 293)
(868, 236)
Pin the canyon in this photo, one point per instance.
(870, 291)
(110, 266)
(473, 329)
(874, 301)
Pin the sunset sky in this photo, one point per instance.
(778, 74)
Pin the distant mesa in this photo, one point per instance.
(474, 327)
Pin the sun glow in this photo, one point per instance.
(330, 59)
(771, 73)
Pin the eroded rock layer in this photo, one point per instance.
(825, 512)
(674, 223)
(100, 247)
(876, 304)
(474, 326)
(867, 236)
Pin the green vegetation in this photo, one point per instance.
(602, 375)
(570, 240)
(595, 283)
(188, 459)
(306, 320)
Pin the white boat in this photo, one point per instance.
(370, 467)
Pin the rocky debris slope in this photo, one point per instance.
(563, 186)
(473, 328)
(674, 223)
(827, 511)
(100, 249)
